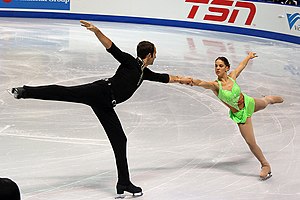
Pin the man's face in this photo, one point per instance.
(152, 57)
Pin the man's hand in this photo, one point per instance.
(106, 42)
(88, 25)
(186, 80)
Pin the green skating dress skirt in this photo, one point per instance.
(241, 116)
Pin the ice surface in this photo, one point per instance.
(181, 142)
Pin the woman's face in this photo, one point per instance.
(220, 68)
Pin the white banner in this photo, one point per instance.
(262, 18)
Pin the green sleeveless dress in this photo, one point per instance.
(231, 97)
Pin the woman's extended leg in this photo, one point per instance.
(247, 132)
(262, 103)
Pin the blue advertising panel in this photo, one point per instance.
(36, 4)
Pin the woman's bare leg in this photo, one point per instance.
(248, 134)
(262, 103)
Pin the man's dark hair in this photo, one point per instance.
(9, 190)
(144, 48)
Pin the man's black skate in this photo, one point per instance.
(18, 92)
(134, 190)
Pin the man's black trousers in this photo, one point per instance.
(97, 95)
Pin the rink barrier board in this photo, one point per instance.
(152, 21)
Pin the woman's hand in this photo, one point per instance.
(186, 80)
(252, 55)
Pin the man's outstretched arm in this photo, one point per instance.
(106, 42)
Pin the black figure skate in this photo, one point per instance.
(134, 190)
(18, 92)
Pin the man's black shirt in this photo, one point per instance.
(127, 77)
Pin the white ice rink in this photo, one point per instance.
(181, 143)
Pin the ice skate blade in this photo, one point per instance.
(124, 196)
(137, 194)
(13, 92)
(266, 177)
(10, 92)
(120, 196)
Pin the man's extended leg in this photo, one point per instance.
(88, 93)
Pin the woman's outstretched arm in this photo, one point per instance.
(212, 85)
(236, 72)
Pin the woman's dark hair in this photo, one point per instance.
(144, 48)
(225, 60)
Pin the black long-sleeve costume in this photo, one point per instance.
(99, 94)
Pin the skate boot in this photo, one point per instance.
(18, 92)
(136, 191)
(265, 172)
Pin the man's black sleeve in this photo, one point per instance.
(153, 76)
(119, 55)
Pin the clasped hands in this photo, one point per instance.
(186, 81)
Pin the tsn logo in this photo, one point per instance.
(223, 13)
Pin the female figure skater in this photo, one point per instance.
(241, 106)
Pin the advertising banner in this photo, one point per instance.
(36, 4)
(274, 21)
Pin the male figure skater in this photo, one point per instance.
(103, 95)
